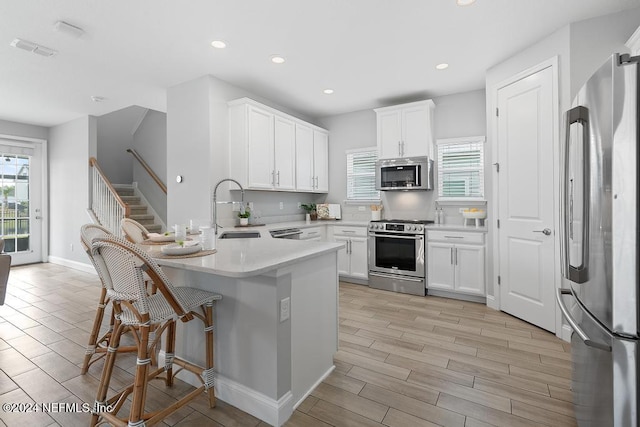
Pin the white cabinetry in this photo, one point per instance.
(405, 130)
(313, 234)
(352, 259)
(312, 159)
(456, 262)
(262, 149)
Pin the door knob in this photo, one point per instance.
(546, 231)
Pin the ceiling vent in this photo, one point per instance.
(33, 47)
(70, 29)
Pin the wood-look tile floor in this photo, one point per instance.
(403, 361)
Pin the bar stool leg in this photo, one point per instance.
(93, 337)
(107, 370)
(208, 330)
(170, 352)
(140, 380)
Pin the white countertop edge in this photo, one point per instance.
(311, 250)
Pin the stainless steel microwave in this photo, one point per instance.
(408, 173)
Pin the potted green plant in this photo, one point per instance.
(310, 208)
(244, 216)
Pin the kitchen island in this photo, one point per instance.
(277, 324)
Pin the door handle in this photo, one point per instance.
(546, 231)
(451, 255)
(574, 325)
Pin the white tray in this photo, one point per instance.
(176, 249)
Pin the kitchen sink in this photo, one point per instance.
(240, 235)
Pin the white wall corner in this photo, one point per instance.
(492, 302)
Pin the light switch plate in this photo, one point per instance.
(285, 309)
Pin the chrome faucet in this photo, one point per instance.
(214, 203)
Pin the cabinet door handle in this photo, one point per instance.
(273, 178)
(278, 180)
(400, 148)
(402, 155)
(451, 251)
(456, 257)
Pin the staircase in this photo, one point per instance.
(138, 209)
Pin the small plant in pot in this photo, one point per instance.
(310, 208)
(244, 216)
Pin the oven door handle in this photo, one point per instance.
(395, 276)
(397, 236)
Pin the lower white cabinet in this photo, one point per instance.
(456, 262)
(312, 234)
(352, 258)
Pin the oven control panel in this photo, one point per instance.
(396, 228)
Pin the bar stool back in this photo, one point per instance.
(133, 230)
(123, 265)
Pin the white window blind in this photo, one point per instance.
(361, 174)
(461, 168)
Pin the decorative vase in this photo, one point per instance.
(244, 221)
(307, 217)
(313, 215)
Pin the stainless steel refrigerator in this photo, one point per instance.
(599, 240)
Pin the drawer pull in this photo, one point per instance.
(454, 237)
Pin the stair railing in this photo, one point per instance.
(106, 204)
(146, 167)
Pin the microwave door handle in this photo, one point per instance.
(577, 274)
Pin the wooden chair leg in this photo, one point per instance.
(93, 337)
(107, 370)
(140, 381)
(208, 330)
(170, 346)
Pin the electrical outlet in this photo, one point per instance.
(285, 309)
(71, 247)
(299, 205)
(250, 206)
(235, 207)
(281, 205)
(361, 208)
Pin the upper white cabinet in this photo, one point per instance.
(312, 159)
(270, 150)
(405, 130)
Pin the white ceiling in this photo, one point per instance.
(371, 52)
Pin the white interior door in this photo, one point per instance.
(21, 205)
(526, 198)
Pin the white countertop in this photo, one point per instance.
(250, 257)
(457, 227)
(295, 224)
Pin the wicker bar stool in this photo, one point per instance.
(133, 230)
(124, 264)
(97, 345)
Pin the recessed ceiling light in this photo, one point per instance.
(218, 44)
(442, 66)
(277, 59)
(465, 2)
(95, 98)
(328, 91)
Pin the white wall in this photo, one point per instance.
(115, 136)
(456, 115)
(197, 140)
(70, 146)
(150, 141)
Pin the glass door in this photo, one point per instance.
(20, 200)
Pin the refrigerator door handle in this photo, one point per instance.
(577, 274)
(574, 325)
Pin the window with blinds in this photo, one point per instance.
(361, 174)
(461, 168)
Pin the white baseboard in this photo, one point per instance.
(492, 302)
(565, 333)
(87, 268)
(269, 410)
(313, 387)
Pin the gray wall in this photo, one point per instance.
(197, 140)
(24, 130)
(115, 135)
(70, 146)
(150, 141)
(457, 115)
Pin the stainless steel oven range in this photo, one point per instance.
(397, 255)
